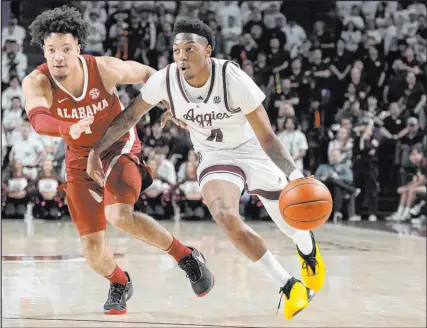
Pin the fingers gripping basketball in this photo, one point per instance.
(305, 204)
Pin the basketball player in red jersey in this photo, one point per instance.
(74, 97)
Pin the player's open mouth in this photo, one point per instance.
(184, 69)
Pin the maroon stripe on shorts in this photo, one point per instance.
(270, 195)
(232, 169)
(168, 88)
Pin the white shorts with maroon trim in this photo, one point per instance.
(247, 166)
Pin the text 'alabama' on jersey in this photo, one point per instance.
(215, 113)
(95, 101)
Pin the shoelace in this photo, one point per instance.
(284, 290)
(310, 262)
(116, 292)
(191, 267)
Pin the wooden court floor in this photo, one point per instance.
(375, 279)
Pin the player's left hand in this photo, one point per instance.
(166, 116)
(95, 169)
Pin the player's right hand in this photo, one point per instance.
(166, 116)
(81, 126)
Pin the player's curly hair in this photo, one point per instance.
(195, 26)
(63, 19)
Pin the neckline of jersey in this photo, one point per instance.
(86, 81)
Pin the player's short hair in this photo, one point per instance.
(195, 26)
(64, 20)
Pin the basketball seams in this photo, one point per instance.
(315, 183)
(287, 217)
(308, 202)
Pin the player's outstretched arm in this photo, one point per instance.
(272, 146)
(36, 106)
(117, 71)
(123, 122)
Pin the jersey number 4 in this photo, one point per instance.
(216, 135)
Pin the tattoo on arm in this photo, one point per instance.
(123, 122)
(280, 156)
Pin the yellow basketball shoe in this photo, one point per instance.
(313, 269)
(297, 297)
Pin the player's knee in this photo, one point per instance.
(93, 245)
(118, 214)
(229, 220)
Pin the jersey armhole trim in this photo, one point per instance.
(92, 60)
(224, 83)
(212, 81)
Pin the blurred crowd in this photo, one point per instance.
(345, 95)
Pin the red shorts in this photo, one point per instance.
(87, 200)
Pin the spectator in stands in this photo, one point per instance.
(95, 6)
(262, 72)
(414, 96)
(344, 144)
(278, 58)
(339, 177)
(246, 49)
(409, 137)
(47, 202)
(231, 32)
(165, 168)
(322, 39)
(351, 36)
(156, 200)
(362, 90)
(189, 195)
(15, 193)
(157, 139)
(414, 189)
(28, 151)
(294, 141)
(278, 31)
(272, 14)
(278, 100)
(295, 35)
(94, 42)
(375, 72)
(164, 39)
(14, 90)
(192, 158)
(12, 120)
(228, 9)
(13, 32)
(13, 61)
(3, 146)
(340, 68)
(365, 169)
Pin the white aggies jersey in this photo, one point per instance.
(216, 121)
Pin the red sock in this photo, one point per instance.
(118, 276)
(178, 250)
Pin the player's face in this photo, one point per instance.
(61, 52)
(190, 57)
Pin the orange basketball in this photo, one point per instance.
(305, 204)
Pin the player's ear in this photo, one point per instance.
(208, 50)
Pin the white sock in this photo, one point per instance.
(301, 238)
(269, 265)
(405, 211)
(400, 209)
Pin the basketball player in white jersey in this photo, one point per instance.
(229, 127)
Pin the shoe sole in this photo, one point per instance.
(205, 293)
(115, 312)
(311, 295)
